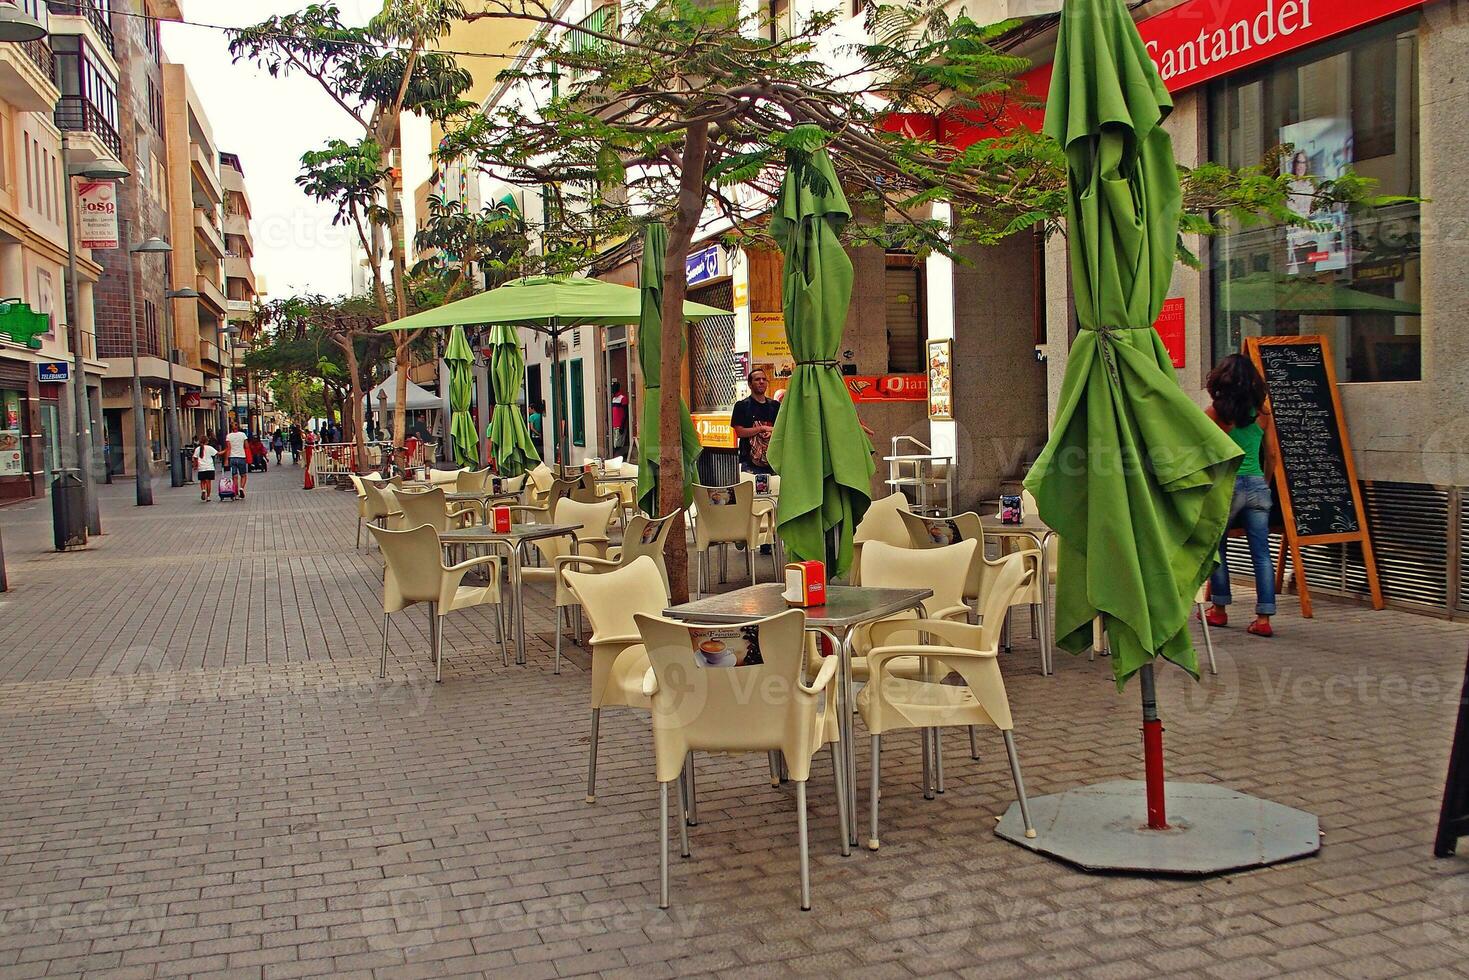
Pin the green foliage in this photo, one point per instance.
(492, 240)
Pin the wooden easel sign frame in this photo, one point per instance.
(1271, 357)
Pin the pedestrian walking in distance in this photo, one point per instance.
(296, 443)
(237, 451)
(204, 461)
(278, 444)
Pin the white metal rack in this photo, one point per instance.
(926, 479)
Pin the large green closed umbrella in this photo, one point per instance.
(819, 449)
(511, 446)
(1135, 479)
(650, 356)
(460, 358)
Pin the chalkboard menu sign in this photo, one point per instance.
(1315, 476)
(1309, 433)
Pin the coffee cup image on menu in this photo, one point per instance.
(716, 653)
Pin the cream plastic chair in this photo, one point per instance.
(924, 531)
(765, 512)
(473, 481)
(429, 507)
(379, 504)
(538, 485)
(880, 523)
(645, 536)
(444, 478)
(698, 708)
(891, 703)
(612, 597)
(589, 542)
(361, 505)
(416, 573)
(732, 520)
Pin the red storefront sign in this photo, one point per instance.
(1170, 328)
(1193, 43)
(866, 388)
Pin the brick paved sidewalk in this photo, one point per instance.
(202, 773)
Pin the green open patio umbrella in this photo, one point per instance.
(819, 449)
(549, 305)
(460, 358)
(511, 446)
(1136, 480)
(650, 357)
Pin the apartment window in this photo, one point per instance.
(155, 107)
(603, 20)
(150, 328)
(88, 92)
(30, 171)
(907, 325)
(779, 14)
(150, 40)
(54, 204)
(1354, 277)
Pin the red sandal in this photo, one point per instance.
(1260, 629)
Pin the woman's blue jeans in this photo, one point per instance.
(1251, 499)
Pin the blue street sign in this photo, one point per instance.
(703, 265)
(53, 371)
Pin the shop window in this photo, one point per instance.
(12, 433)
(1356, 278)
(907, 327)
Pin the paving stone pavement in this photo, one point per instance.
(203, 775)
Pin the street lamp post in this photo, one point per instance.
(175, 443)
(142, 459)
(81, 409)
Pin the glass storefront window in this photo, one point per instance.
(12, 435)
(1355, 278)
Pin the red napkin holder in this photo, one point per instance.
(806, 584)
(500, 519)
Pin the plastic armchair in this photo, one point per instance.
(891, 703)
(612, 595)
(880, 523)
(646, 535)
(444, 478)
(726, 515)
(697, 708)
(431, 508)
(588, 542)
(379, 504)
(923, 532)
(416, 573)
(473, 481)
(765, 509)
(361, 505)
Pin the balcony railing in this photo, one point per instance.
(74, 113)
(40, 52)
(94, 14)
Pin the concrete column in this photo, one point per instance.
(939, 282)
(12, 270)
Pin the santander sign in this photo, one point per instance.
(1203, 39)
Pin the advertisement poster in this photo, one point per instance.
(737, 646)
(770, 351)
(867, 388)
(11, 461)
(97, 202)
(1170, 327)
(714, 430)
(940, 380)
(1320, 149)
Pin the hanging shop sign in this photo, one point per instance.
(1170, 327)
(191, 399)
(97, 201)
(703, 266)
(868, 388)
(53, 371)
(715, 431)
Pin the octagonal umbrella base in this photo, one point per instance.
(1213, 829)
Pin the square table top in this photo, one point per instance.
(518, 532)
(846, 605)
(478, 494)
(989, 519)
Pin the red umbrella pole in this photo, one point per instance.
(1153, 752)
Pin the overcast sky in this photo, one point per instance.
(270, 122)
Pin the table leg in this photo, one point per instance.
(1048, 609)
(518, 604)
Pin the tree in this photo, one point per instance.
(462, 243)
(690, 110)
(375, 73)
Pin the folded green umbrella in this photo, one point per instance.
(511, 446)
(460, 358)
(819, 449)
(650, 356)
(1136, 480)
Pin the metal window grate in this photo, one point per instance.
(1410, 535)
(1463, 562)
(712, 351)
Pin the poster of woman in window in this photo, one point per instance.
(1319, 149)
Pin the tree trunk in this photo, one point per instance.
(404, 358)
(354, 375)
(690, 208)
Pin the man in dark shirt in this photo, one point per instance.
(753, 419)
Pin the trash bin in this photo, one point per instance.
(68, 510)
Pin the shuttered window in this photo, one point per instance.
(907, 327)
(578, 404)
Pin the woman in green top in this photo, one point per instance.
(1238, 394)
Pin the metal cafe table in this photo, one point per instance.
(847, 607)
(1033, 528)
(512, 542)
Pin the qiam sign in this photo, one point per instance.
(97, 200)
